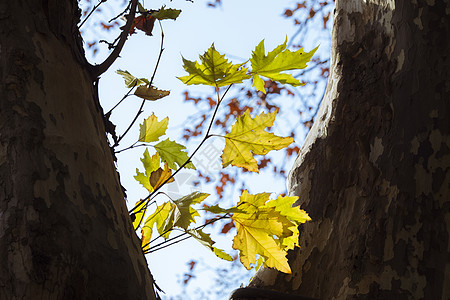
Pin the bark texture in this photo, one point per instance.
(64, 228)
(374, 171)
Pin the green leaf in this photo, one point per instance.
(172, 153)
(151, 130)
(276, 61)
(184, 213)
(150, 165)
(130, 80)
(164, 14)
(215, 70)
(205, 240)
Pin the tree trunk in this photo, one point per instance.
(374, 170)
(64, 228)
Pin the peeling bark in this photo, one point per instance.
(65, 232)
(374, 171)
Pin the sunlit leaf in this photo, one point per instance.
(248, 137)
(256, 228)
(216, 209)
(130, 80)
(150, 165)
(160, 218)
(185, 213)
(276, 61)
(150, 93)
(215, 70)
(151, 130)
(172, 153)
(139, 213)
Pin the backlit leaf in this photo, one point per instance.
(160, 218)
(215, 70)
(130, 80)
(172, 153)
(256, 228)
(185, 213)
(139, 213)
(276, 61)
(150, 165)
(248, 137)
(151, 130)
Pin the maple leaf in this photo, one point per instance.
(150, 165)
(150, 93)
(255, 231)
(166, 14)
(294, 214)
(248, 137)
(161, 217)
(184, 212)
(215, 70)
(151, 130)
(172, 153)
(130, 80)
(276, 61)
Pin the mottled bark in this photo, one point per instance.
(374, 171)
(64, 228)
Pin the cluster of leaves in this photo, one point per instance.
(307, 16)
(264, 228)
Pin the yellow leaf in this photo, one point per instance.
(139, 215)
(150, 93)
(256, 227)
(151, 130)
(161, 217)
(248, 137)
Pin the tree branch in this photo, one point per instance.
(97, 70)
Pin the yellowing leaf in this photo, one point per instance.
(158, 177)
(256, 228)
(150, 93)
(205, 240)
(294, 214)
(139, 213)
(150, 165)
(161, 217)
(215, 70)
(278, 60)
(130, 80)
(172, 153)
(184, 213)
(151, 130)
(248, 137)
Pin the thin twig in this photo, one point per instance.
(91, 12)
